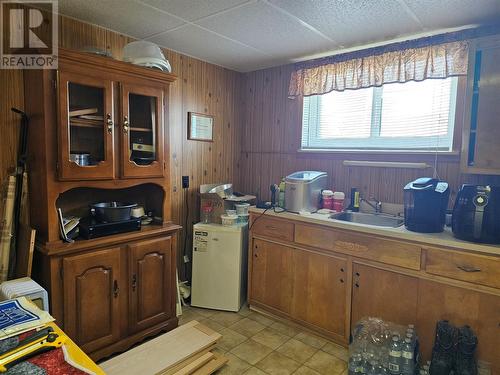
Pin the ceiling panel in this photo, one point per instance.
(125, 16)
(262, 26)
(193, 9)
(197, 42)
(451, 13)
(353, 22)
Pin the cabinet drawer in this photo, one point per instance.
(360, 245)
(274, 228)
(478, 269)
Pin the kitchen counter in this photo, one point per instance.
(443, 239)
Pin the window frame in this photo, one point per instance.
(457, 105)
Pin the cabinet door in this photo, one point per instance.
(142, 131)
(271, 275)
(86, 126)
(384, 294)
(152, 283)
(92, 298)
(481, 139)
(319, 290)
(481, 311)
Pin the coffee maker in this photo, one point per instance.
(425, 204)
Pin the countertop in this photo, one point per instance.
(443, 239)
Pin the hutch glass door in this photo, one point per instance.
(86, 127)
(142, 140)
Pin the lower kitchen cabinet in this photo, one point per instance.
(326, 278)
(385, 294)
(481, 311)
(319, 291)
(92, 298)
(152, 289)
(271, 275)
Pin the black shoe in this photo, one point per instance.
(444, 350)
(465, 362)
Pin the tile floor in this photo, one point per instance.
(258, 345)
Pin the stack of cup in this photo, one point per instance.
(242, 212)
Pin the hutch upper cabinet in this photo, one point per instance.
(482, 121)
(108, 128)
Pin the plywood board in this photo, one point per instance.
(196, 364)
(164, 352)
(216, 363)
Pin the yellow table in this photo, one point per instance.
(77, 354)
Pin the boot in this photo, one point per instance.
(443, 352)
(465, 362)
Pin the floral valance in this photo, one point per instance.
(409, 64)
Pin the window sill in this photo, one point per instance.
(383, 155)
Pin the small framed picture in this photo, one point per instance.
(200, 127)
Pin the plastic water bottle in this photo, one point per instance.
(395, 356)
(355, 366)
(352, 367)
(407, 358)
(372, 368)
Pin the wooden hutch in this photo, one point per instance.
(107, 293)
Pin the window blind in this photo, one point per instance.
(407, 116)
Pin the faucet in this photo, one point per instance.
(377, 206)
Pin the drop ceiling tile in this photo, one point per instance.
(452, 13)
(261, 26)
(193, 9)
(353, 22)
(204, 45)
(125, 16)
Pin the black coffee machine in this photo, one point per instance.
(426, 201)
(476, 214)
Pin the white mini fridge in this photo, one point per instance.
(219, 277)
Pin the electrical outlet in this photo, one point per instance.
(186, 259)
(185, 182)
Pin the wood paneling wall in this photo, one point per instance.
(201, 87)
(271, 133)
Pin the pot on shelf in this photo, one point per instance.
(112, 211)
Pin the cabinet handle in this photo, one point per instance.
(469, 269)
(356, 285)
(134, 282)
(109, 122)
(116, 290)
(125, 124)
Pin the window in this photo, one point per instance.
(415, 116)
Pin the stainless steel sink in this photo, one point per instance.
(381, 220)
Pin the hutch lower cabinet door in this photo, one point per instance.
(92, 298)
(152, 283)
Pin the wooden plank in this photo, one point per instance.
(25, 248)
(196, 364)
(213, 365)
(164, 352)
(187, 361)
